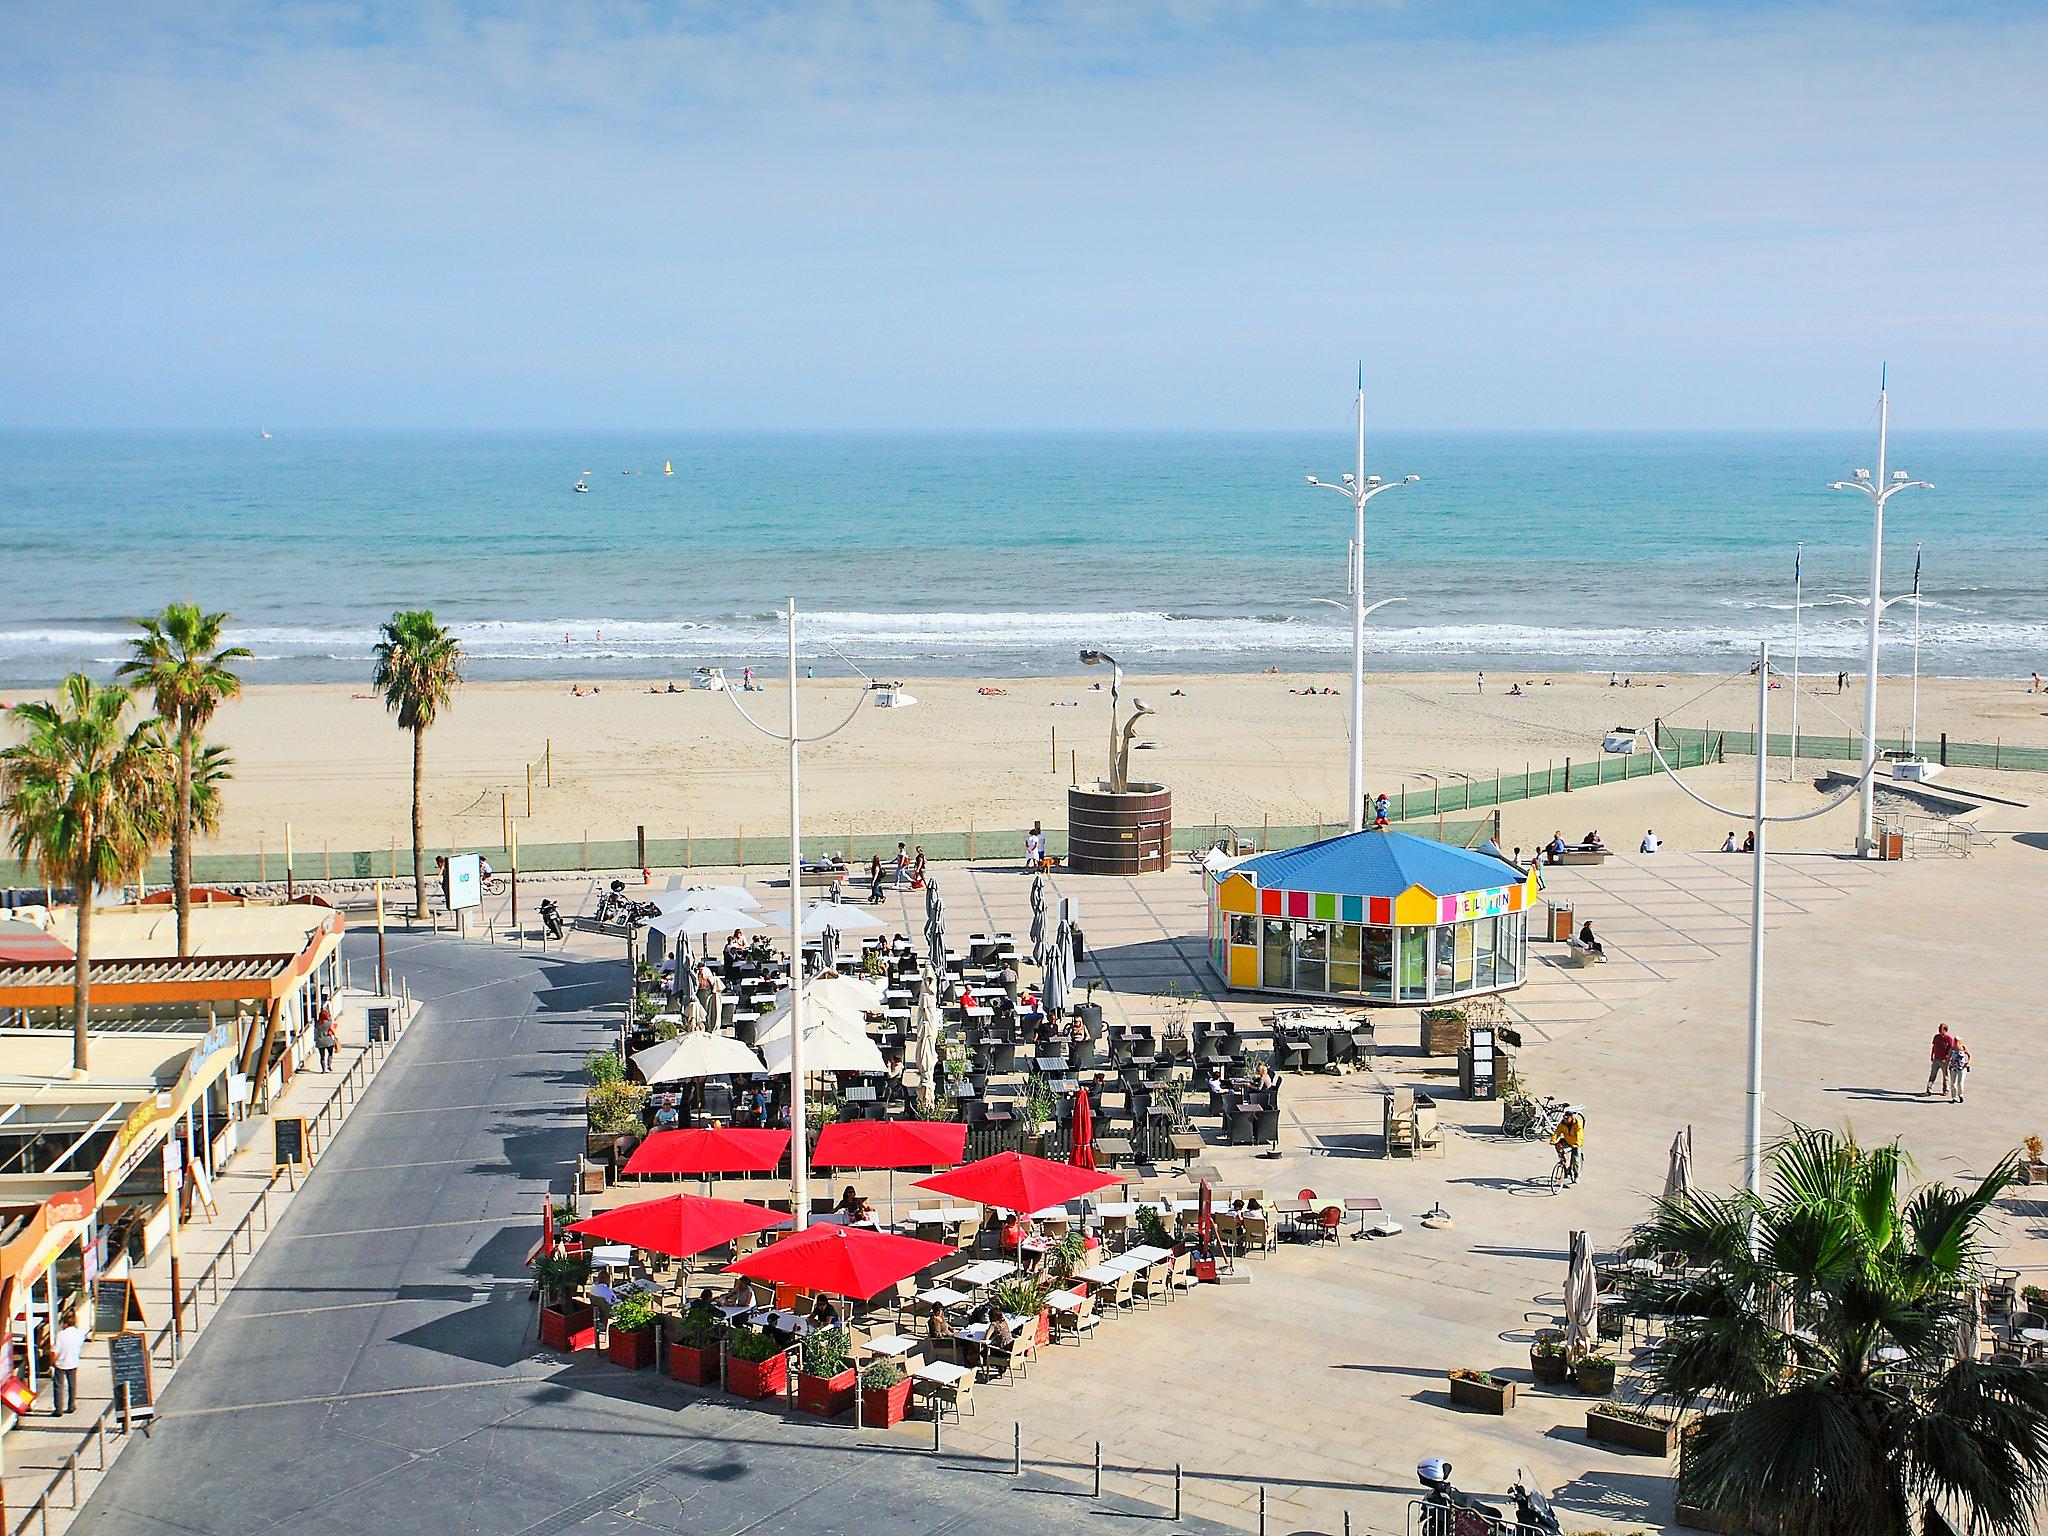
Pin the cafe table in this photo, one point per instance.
(1103, 1274)
(1148, 1254)
(942, 1216)
(1063, 1301)
(983, 1272)
(942, 1296)
(974, 1333)
(890, 1346)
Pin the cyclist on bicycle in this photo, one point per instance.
(1570, 1142)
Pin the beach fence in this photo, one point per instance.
(1849, 749)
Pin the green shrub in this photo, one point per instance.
(604, 1067)
(665, 1026)
(881, 1375)
(561, 1276)
(824, 1353)
(755, 1344)
(615, 1107)
(697, 1328)
(635, 1312)
(1152, 1227)
(1020, 1297)
(1064, 1256)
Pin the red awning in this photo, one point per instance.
(679, 1225)
(26, 944)
(890, 1144)
(842, 1261)
(1015, 1182)
(709, 1151)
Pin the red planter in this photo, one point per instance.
(888, 1405)
(1205, 1271)
(1044, 1326)
(631, 1347)
(826, 1396)
(692, 1366)
(568, 1328)
(758, 1378)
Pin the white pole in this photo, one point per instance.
(1753, 1147)
(1798, 580)
(1913, 728)
(799, 1115)
(1355, 579)
(1866, 838)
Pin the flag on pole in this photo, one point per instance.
(1916, 570)
(1797, 555)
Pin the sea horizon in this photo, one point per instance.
(979, 553)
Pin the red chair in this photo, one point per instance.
(1328, 1223)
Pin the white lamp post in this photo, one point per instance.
(799, 1146)
(1359, 488)
(1880, 490)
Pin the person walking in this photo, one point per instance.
(1958, 1069)
(325, 1038)
(1034, 849)
(66, 1350)
(875, 880)
(1937, 1059)
(1482, 680)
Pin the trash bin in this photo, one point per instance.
(1560, 927)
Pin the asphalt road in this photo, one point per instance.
(377, 1370)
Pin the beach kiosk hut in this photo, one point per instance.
(1382, 917)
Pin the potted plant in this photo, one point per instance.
(1595, 1374)
(629, 1340)
(824, 1375)
(1038, 1107)
(884, 1394)
(1632, 1429)
(1482, 1390)
(1064, 1256)
(1546, 1356)
(757, 1363)
(567, 1321)
(693, 1347)
(1023, 1297)
(2034, 1170)
(2035, 1299)
(610, 1111)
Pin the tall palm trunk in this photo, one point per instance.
(181, 840)
(419, 825)
(81, 986)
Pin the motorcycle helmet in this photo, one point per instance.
(1433, 1472)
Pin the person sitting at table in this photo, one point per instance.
(1015, 1231)
(1077, 1030)
(602, 1299)
(853, 1205)
(740, 1295)
(824, 1314)
(735, 949)
(966, 997)
(938, 1325)
(706, 1299)
(666, 1116)
(1252, 1206)
(999, 1335)
(1263, 1078)
(1009, 980)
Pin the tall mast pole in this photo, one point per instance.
(1913, 727)
(799, 1113)
(1866, 836)
(1753, 1140)
(1355, 579)
(1792, 757)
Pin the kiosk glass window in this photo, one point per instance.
(1376, 962)
(1344, 957)
(1482, 951)
(1414, 964)
(1443, 949)
(1311, 957)
(1276, 954)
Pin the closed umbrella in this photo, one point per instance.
(697, 1053)
(927, 1056)
(1678, 1176)
(1970, 1326)
(1581, 1299)
(828, 950)
(679, 1225)
(1059, 971)
(935, 929)
(1081, 1133)
(1038, 920)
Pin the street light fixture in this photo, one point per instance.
(799, 1148)
(1880, 490)
(1359, 488)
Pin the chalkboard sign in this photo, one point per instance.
(291, 1141)
(115, 1305)
(380, 1023)
(129, 1355)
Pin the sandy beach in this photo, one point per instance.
(1235, 748)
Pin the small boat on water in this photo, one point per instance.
(582, 486)
(265, 431)
(667, 468)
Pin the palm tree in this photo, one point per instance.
(86, 797)
(179, 657)
(1828, 1329)
(418, 665)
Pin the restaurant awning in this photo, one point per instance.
(842, 1261)
(1013, 1181)
(890, 1144)
(709, 1151)
(679, 1225)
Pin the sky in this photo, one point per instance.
(999, 213)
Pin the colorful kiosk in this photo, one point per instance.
(1379, 916)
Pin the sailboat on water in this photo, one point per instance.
(667, 468)
(266, 433)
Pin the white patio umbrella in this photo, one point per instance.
(1038, 920)
(838, 916)
(1678, 1177)
(1581, 1299)
(829, 1046)
(695, 1053)
(705, 920)
(851, 997)
(926, 1053)
(680, 889)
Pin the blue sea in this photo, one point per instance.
(1003, 554)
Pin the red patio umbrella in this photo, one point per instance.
(890, 1144)
(709, 1151)
(843, 1261)
(1083, 1133)
(1015, 1182)
(680, 1225)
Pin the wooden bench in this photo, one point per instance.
(821, 879)
(1582, 955)
(1582, 853)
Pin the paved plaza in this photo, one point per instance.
(378, 1367)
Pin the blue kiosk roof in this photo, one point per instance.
(1377, 864)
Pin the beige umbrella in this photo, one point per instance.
(927, 1049)
(828, 1047)
(1678, 1175)
(695, 1054)
(1581, 1300)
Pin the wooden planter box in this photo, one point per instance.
(1495, 1397)
(568, 1328)
(889, 1405)
(631, 1347)
(1444, 1031)
(1631, 1434)
(826, 1396)
(692, 1366)
(1044, 1327)
(758, 1378)
(1694, 1518)
(1597, 1380)
(2034, 1173)
(1549, 1368)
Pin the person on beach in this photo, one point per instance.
(875, 880)
(1937, 1059)
(1958, 1069)
(1841, 681)
(902, 866)
(1482, 680)
(1728, 843)
(1651, 842)
(1749, 842)
(324, 1037)
(1034, 849)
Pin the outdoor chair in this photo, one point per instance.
(1362, 1044)
(1329, 1222)
(1315, 1052)
(1288, 1054)
(1266, 1132)
(1228, 1233)
(957, 1394)
(1244, 1124)
(1257, 1233)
